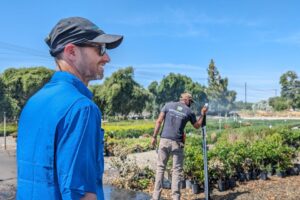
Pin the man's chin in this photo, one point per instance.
(99, 77)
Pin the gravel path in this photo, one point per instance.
(274, 189)
(7, 169)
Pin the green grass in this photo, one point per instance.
(10, 128)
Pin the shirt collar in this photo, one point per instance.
(62, 76)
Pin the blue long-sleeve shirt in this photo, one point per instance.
(60, 142)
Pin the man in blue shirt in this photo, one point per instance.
(60, 140)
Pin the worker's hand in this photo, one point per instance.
(153, 142)
(204, 110)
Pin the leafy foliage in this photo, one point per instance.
(290, 88)
(120, 94)
(279, 103)
(19, 85)
(172, 86)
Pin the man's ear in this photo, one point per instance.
(70, 52)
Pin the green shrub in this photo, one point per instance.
(10, 128)
(193, 163)
(128, 130)
(129, 145)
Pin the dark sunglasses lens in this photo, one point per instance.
(102, 49)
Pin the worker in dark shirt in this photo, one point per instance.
(175, 116)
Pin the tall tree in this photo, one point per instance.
(151, 105)
(278, 103)
(21, 83)
(220, 98)
(171, 87)
(120, 94)
(99, 96)
(7, 104)
(290, 88)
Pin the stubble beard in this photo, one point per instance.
(100, 74)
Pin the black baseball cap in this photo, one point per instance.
(78, 30)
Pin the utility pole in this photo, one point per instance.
(275, 92)
(245, 92)
(4, 131)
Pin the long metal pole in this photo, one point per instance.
(204, 147)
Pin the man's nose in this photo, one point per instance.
(106, 58)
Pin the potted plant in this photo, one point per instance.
(296, 169)
(270, 170)
(218, 171)
(280, 170)
(246, 165)
(263, 172)
(196, 189)
(230, 178)
(182, 184)
(193, 165)
(188, 183)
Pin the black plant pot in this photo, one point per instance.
(182, 184)
(221, 185)
(297, 165)
(226, 184)
(281, 174)
(196, 188)
(231, 182)
(167, 184)
(289, 172)
(248, 176)
(293, 171)
(254, 175)
(242, 177)
(188, 184)
(269, 174)
(263, 176)
(296, 171)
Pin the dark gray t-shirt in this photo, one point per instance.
(177, 114)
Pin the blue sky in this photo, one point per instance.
(253, 41)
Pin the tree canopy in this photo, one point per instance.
(171, 87)
(17, 85)
(120, 94)
(220, 98)
(290, 88)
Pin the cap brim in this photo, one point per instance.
(111, 41)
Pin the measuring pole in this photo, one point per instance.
(204, 147)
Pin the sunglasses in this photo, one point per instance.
(101, 48)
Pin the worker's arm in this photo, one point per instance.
(158, 123)
(198, 123)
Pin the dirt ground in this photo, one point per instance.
(273, 189)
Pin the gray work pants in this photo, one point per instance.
(166, 149)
